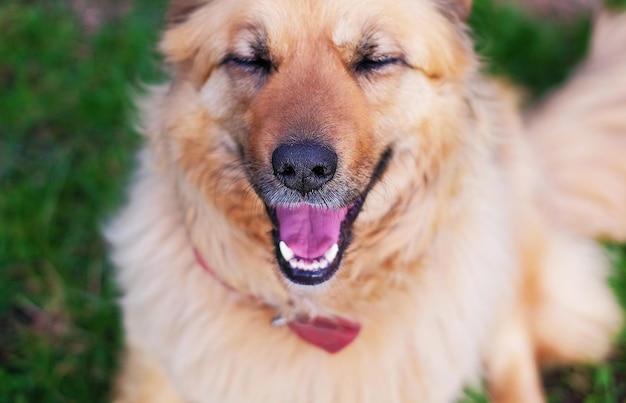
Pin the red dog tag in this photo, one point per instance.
(327, 334)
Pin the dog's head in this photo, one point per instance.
(306, 105)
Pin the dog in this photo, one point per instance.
(334, 204)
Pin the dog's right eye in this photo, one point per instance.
(250, 64)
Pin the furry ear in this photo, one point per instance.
(456, 9)
(179, 10)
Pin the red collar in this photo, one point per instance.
(331, 335)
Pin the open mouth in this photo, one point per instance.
(310, 240)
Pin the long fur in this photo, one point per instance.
(472, 258)
(578, 137)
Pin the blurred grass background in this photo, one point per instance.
(67, 70)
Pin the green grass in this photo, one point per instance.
(66, 149)
(537, 55)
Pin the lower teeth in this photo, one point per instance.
(309, 266)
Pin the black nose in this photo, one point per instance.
(304, 166)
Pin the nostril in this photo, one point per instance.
(287, 170)
(304, 166)
(319, 171)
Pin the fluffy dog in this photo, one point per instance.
(334, 205)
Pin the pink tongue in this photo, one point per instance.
(309, 231)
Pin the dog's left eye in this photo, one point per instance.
(373, 64)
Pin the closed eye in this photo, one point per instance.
(255, 64)
(374, 64)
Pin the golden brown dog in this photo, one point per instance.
(334, 205)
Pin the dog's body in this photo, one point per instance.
(426, 219)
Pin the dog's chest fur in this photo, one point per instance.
(423, 340)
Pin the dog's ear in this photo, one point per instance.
(181, 39)
(456, 9)
(179, 10)
(176, 42)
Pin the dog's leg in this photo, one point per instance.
(564, 312)
(575, 315)
(512, 371)
(142, 380)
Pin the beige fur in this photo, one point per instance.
(471, 258)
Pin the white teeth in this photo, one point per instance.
(331, 253)
(315, 265)
(285, 251)
(309, 265)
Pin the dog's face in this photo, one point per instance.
(299, 108)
